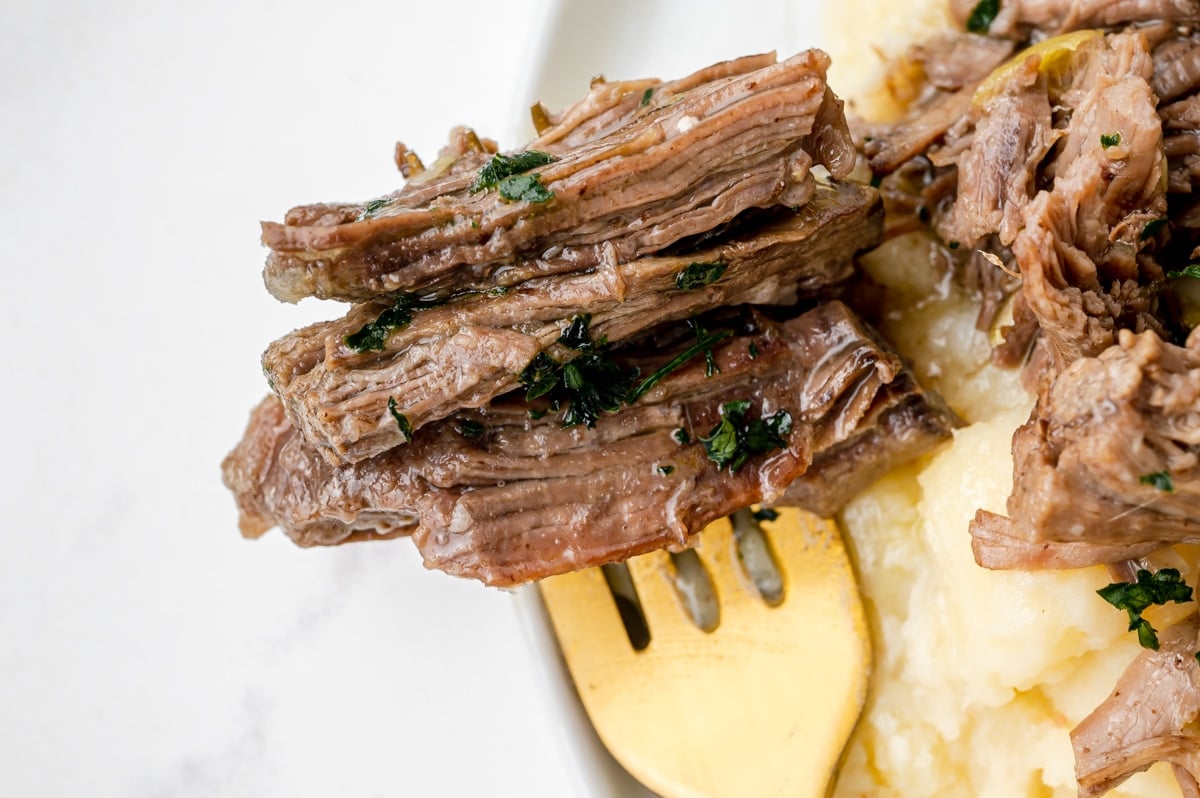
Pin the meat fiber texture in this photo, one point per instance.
(472, 349)
(1087, 492)
(1061, 16)
(405, 417)
(524, 498)
(695, 156)
(634, 167)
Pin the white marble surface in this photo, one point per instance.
(147, 649)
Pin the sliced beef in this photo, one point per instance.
(903, 423)
(1109, 466)
(686, 166)
(611, 105)
(1017, 17)
(1143, 721)
(464, 353)
(518, 498)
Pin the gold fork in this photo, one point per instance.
(763, 703)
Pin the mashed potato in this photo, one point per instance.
(979, 675)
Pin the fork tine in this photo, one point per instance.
(762, 705)
(669, 624)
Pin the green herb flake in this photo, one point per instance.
(578, 336)
(876, 180)
(1191, 270)
(501, 167)
(534, 415)
(982, 16)
(1151, 229)
(1150, 589)
(698, 275)
(954, 245)
(372, 207)
(753, 351)
(589, 385)
(666, 470)
(468, 428)
(703, 345)
(1109, 140)
(401, 419)
(646, 95)
(681, 436)
(540, 377)
(524, 188)
(735, 439)
(766, 514)
(1160, 480)
(373, 336)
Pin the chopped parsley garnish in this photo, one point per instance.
(593, 383)
(373, 336)
(1160, 480)
(401, 419)
(1109, 140)
(753, 351)
(1191, 270)
(646, 95)
(540, 377)
(983, 15)
(524, 188)
(681, 436)
(505, 166)
(589, 385)
(1151, 229)
(1160, 588)
(876, 180)
(765, 514)
(372, 207)
(666, 470)
(698, 275)
(468, 428)
(577, 336)
(735, 439)
(537, 414)
(704, 344)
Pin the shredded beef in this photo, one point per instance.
(1080, 252)
(1145, 719)
(1017, 17)
(1085, 491)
